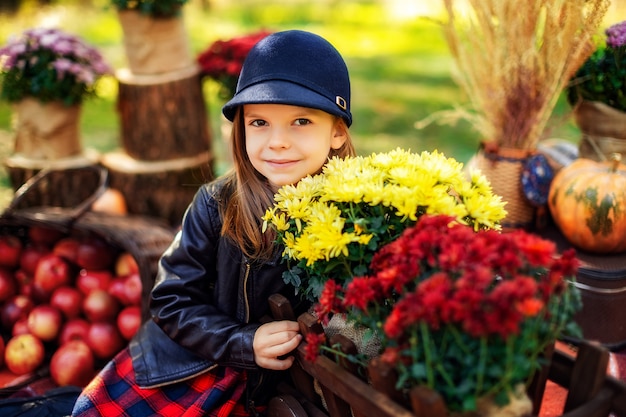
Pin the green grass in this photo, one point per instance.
(400, 68)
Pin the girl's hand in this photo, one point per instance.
(274, 340)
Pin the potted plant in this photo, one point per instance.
(160, 8)
(597, 92)
(155, 39)
(223, 59)
(47, 74)
(331, 224)
(468, 314)
(221, 62)
(406, 251)
(513, 71)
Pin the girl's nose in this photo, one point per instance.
(278, 138)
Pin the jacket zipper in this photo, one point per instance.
(251, 393)
(245, 292)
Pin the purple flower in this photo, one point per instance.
(62, 66)
(616, 35)
(50, 50)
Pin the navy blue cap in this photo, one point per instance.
(297, 68)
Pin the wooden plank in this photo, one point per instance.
(588, 375)
(363, 397)
(426, 402)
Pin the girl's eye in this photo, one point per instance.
(258, 123)
(302, 122)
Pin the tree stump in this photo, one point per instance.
(160, 189)
(163, 117)
(66, 192)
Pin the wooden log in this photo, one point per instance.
(59, 190)
(161, 189)
(163, 117)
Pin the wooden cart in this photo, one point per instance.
(325, 388)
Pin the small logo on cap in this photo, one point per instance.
(341, 102)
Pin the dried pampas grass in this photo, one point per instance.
(514, 59)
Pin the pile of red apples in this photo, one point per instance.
(68, 301)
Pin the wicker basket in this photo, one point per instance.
(503, 168)
(144, 237)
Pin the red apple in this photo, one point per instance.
(31, 254)
(74, 329)
(67, 248)
(34, 293)
(23, 278)
(8, 284)
(118, 290)
(72, 364)
(126, 264)
(99, 305)
(44, 235)
(20, 327)
(127, 289)
(2, 346)
(24, 354)
(52, 272)
(95, 253)
(128, 321)
(10, 251)
(44, 321)
(105, 340)
(89, 280)
(15, 308)
(134, 287)
(69, 300)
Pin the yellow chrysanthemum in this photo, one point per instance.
(312, 216)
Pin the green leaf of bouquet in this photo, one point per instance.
(292, 276)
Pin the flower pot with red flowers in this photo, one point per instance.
(221, 63)
(223, 59)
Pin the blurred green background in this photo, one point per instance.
(400, 66)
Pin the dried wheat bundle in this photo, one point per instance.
(515, 57)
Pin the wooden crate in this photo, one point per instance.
(591, 393)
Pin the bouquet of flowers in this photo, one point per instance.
(331, 224)
(160, 8)
(602, 77)
(465, 312)
(223, 59)
(50, 65)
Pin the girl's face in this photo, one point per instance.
(286, 143)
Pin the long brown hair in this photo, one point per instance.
(250, 195)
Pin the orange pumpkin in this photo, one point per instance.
(111, 201)
(587, 201)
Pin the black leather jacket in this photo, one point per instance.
(206, 304)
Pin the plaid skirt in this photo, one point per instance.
(114, 392)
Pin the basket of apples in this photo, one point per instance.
(73, 282)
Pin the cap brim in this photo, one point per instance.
(282, 92)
